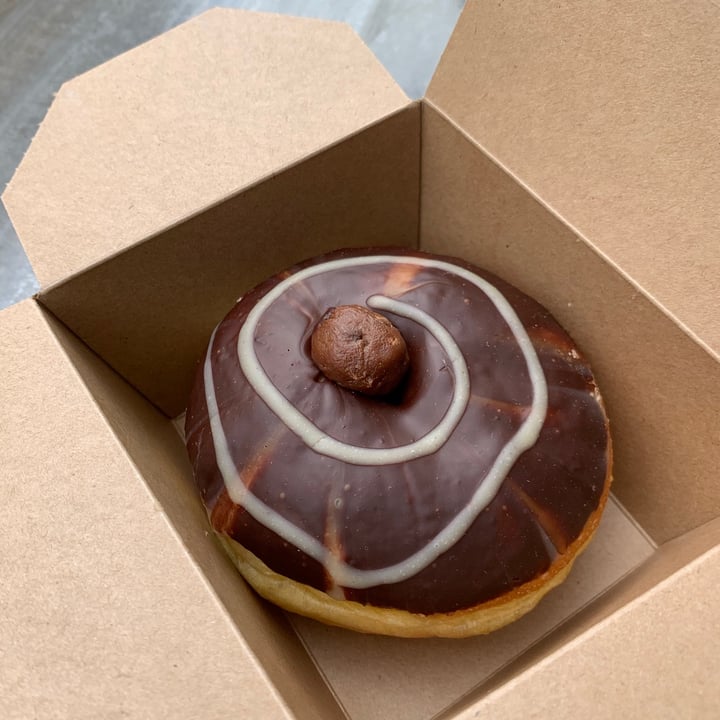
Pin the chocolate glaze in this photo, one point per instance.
(377, 516)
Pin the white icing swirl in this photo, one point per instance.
(525, 437)
(317, 439)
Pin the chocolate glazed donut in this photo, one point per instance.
(448, 506)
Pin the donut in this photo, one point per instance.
(398, 443)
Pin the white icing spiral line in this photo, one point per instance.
(320, 441)
(343, 574)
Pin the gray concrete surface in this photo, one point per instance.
(43, 43)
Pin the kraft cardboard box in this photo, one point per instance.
(568, 149)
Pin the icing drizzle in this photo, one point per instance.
(525, 437)
(322, 443)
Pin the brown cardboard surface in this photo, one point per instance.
(362, 191)
(609, 112)
(650, 372)
(102, 612)
(414, 680)
(659, 657)
(215, 105)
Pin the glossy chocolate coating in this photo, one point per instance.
(374, 517)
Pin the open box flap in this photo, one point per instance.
(103, 611)
(659, 657)
(609, 113)
(183, 121)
